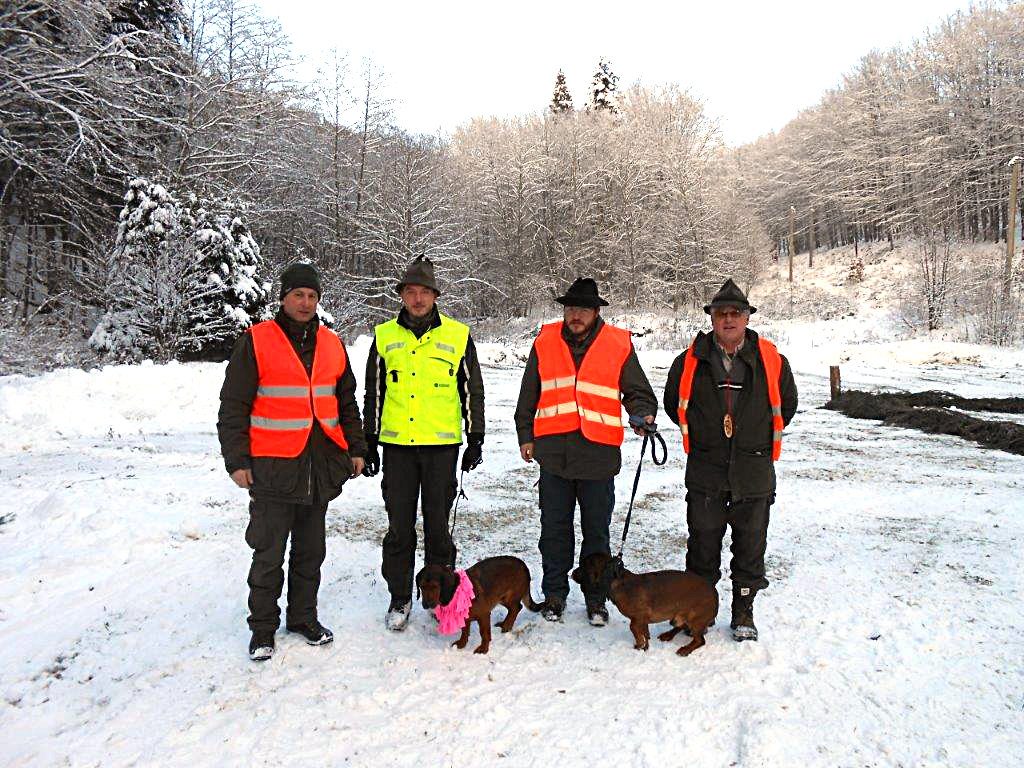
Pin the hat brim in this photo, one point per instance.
(593, 302)
(712, 305)
(400, 286)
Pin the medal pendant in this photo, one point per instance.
(727, 425)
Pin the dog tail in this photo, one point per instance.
(528, 600)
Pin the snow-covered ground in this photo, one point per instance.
(891, 634)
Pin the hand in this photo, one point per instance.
(472, 457)
(526, 451)
(357, 466)
(242, 478)
(647, 420)
(371, 466)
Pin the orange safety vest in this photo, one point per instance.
(588, 400)
(287, 399)
(773, 373)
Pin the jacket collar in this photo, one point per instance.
(587, 340)
(296, 331)
(433, 321)
(704, 346)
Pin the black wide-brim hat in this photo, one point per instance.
(729, 295)
(582, 293)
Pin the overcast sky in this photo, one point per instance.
(753, 64)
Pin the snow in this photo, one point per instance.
(890, 634)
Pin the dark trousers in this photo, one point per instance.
(412, 475)
(706, 518)
(558, 498)
(270, 523)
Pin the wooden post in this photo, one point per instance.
(834, 383)
(792, 240)
(810, 252)
(1011, 225)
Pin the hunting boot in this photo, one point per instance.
(261, 646)
(552, 608)
(397, 617)
(314, 632)
(597, 612)
(743, 614)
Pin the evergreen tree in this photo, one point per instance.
(182, 280)
(561, 100)
(603, 86)
(163, 17)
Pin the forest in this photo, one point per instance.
(159, 164)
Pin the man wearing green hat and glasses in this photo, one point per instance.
(732, 394)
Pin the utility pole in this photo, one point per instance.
(792, 240)
(1011, 225)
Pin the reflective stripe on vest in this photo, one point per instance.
(772, 362)
(287, 400)
(587, 400)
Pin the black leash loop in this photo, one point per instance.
(650, 433)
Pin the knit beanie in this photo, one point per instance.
(300, 275)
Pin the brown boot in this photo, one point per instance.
(743, 614)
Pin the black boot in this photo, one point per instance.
(743, 614)
(261, 646)
(314, 632)
(597, 612)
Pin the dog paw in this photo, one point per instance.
(481, 649)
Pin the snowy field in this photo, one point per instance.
(891, 635)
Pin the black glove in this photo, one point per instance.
(372, 465)
(472, 457)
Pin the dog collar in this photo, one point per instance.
(451, 618)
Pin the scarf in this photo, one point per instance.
(452, 617)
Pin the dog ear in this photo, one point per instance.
(578, 574)
(449, 583)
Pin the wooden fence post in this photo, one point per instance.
(834, 383)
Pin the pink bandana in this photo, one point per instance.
(452, 617)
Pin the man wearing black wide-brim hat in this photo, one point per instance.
(732, 394)
(580, 374)
(423, 382)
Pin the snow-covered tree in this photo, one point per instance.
(183, 280)
(603, 87)
(561, 99)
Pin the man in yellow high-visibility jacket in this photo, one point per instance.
(422, 381)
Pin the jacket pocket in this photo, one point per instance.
(257, 531)
(279, 477)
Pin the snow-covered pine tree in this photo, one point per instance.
(561, 99)
(603, 88)
(230, 296)
(182, 279)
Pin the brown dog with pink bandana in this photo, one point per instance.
(461, 597)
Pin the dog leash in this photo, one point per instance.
(455, 514)
(650, 433)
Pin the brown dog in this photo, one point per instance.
(681, 598)
(504, 580)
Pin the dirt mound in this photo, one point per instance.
(930, 412)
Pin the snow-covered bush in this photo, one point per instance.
(183, 279)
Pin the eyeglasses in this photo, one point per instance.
(730, 313)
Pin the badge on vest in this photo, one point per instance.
(727, 425)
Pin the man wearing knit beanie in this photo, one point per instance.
(291, 435)
(301, 274)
